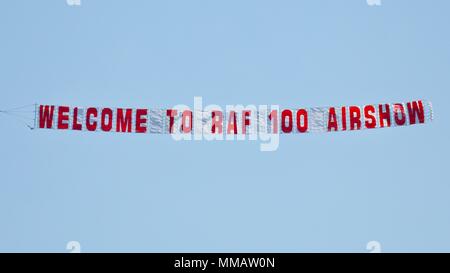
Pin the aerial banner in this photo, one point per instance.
(235, 120)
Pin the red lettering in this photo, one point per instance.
(91, 112)
(106, 120)
(273, 116)
(415, 108)
(171, 114)
(344, 118)
(245, 120)
(384, 115)
(369, 116)
(63, 117)
(355, 118)
(286, 115)
(217, 121)
(75, 124)
(332, 120)
(399, 114)
(232, 124)
(141, 120)
(123, 122)
(302, 114)
(186, 116)
(46, 116)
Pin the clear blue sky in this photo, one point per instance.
(318, 192)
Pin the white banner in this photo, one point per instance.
(233, 121)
